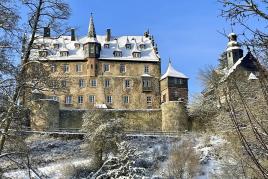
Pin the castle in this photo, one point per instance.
(116, 73)
(104, 71)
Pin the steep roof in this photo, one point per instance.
(116, 43)
(171, 72)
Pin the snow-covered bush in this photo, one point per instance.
(122, 165)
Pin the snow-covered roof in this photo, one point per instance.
(171, 72)
(116, 43)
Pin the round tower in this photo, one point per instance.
(174, 95)
(234, 51)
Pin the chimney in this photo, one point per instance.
(46, 32)
(108, 35)
(72, 34)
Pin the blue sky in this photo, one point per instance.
(185, 31)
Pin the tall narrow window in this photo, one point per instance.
(109, 99)
(63, 83)
(80, 99)
(106, 67)
(149, 100)
(107, 83)
(122, 68)
(127, 83)
(68, 100)
(93, 83)
(66, 68)
(53, 68)
(81, 83)
(146, 69)
(91, 99)
(78, 67)
(125, 99)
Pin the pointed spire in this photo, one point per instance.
(127, 41)
(117, 46)
(91, 28)
(135, 48)
(169, 61)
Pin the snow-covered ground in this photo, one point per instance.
(53, 156)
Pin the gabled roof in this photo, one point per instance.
(171, 72)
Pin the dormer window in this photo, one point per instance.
(128, 46)
(136, 54)
(64, 53)
(56, 46)
(117, 54)
(43, 53)
(106, 45)
(77, 45)
(142, 46)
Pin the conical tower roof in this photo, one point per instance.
(171, 72)
(91, 28)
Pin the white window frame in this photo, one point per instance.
(68, 100)
(109, 99)
(53, 68)
(80, 99)
(81, 83)
(136, 55)
(149, 100)
(127, 84)
(66, 68)
(55, 98)
(146, 83)
(106, 67)
(122, 68)
(146, 69)
(107, 83)
(64, 53)
(126, 99)
(93, 83)
(79, 67)
(91, 99)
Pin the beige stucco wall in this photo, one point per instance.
(134, 72)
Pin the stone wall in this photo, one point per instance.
(134, 120)
(174, 116)
(45, 114)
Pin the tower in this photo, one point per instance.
(234, 51)
(92, 48)
(174, 86)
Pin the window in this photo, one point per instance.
(91, 99)
(64, 53)
(68, 100)
(43, 53)
(66, 68)
(93, 83)
(146, 69)
(125, 99)
(106, 45)
(91, 49)
(128, 46)
(127, 83)
(55, 98)
(136, 54)
(53, 84)
(53, 68)
(81, 83)
(80, 99)
(149, 100)
(117, 54)
(106, 67)
(78, 67)
(77, 45)
(146, 83)
(107, 83)
(122, 68)
(178, 81)
(142, 46)
(109, 99)
(56, 46)
(64, 83)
